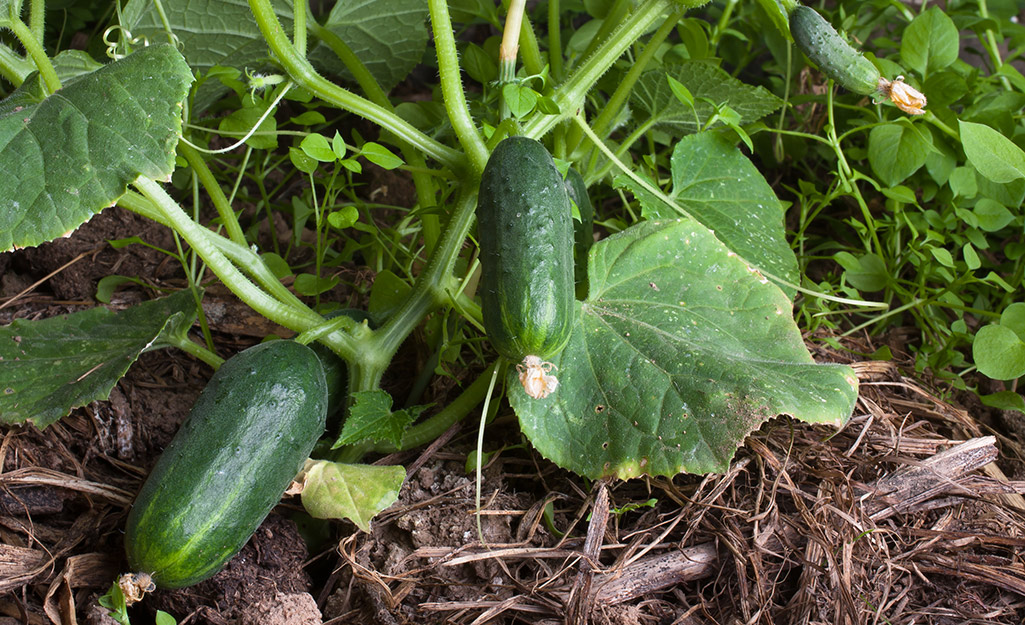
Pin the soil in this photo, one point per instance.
(806, 527)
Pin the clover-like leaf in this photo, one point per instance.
(54, 365)
(680, 351)
(332, 490)
(67, 157)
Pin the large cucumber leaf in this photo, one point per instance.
(66, 157)
(679, 352)
(714, 183)
(654, 101)
(388, 36)
(51, 366)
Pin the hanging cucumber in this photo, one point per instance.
(246, 438)
(525, 232)
(583, 230)
(834, 56)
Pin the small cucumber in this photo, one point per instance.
(834, 56)
(246, 438)
(525, 232)
(583, 230)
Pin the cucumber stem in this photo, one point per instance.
(452, 86)
(37, 53)
(303, 73)
(570, 95)
(554, 40)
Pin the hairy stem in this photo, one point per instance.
(570, 95)
(452, 86)
(303, 73)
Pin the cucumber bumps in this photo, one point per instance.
(837, 59)
(525, 232)
(246, 438)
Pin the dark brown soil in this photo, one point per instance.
(794, 533)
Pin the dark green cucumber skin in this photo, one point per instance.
(583, 230)
(247, 437)
(525, 232)
(831, 53)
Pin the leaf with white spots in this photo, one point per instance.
(50, 366)
(66, 157)
(679, 352)
(714, 183)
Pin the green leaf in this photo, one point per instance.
(344, 217)
(332, 490)
(657, 98)
(1013, 317)
(520, 98)
(316, 146)
(897, 150)
(681, 92)
(716, 184)
(388, 36)
(999, 352)
(66, 158)
(943, 256)
(387, 294)
(309, 118)
(302, 161)
(478, 64)
(114, 602)
(310, 285)
(240, 122)
(930, 42)
(338, 145)
(678, 353)
(371, 419)
(54, 365)
(1004, 400)
(971, 257)
(163, 618)
(866, 273)
(380, 155)
(994, 156)
(963, 183)
(992, 215)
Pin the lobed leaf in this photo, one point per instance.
(54, 365)
(70, 155)
(679, 352)
(714, 183)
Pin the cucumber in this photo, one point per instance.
(246, 438)
(583, 230)
(834, 56)
(525, 232)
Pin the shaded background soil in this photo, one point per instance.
(809, 525)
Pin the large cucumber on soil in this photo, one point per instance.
(246, 438)
(525, 231)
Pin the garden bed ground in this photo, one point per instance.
(901, 517)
